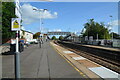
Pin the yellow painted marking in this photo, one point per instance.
(16, 24)
(81, 73)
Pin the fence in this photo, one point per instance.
(103, 42)
(4, 48)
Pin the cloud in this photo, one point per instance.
(114, 23)
(23, 28)
(29, 30)
(29, 15)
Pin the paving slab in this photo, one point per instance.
(79, 58)
(88, 63)
(73, 55)
(104, 72)
(38, 62)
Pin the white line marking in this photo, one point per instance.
(104, 72)
(67, 52)
(78, 58)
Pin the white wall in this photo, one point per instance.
(27, 35)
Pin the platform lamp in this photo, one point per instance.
(111, 27)
(40, 11)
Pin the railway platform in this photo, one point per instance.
(97, 47)
(88, 67)
(40, 64)
(105, 48)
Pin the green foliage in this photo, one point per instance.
(23, 32)
(115, 35)
(61, 38)
(54, 38)
(36, 35)
(93, 28)
(22, 37)
(8, 12)
(0, 16)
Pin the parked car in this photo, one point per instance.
(35, 41)
(27, 44)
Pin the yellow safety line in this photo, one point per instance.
(81, 73)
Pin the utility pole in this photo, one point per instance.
(97, 36)
(112, 29)
(17, 58)
(16, 27)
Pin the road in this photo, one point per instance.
(38, 62)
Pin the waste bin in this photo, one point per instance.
(13, 47)
(21, 46)
(99, 42)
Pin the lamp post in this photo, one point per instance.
(97, 37)
(40, 11)
(111, 28)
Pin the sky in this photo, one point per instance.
(67, 16)
(71, 0)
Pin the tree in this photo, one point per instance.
(115, 35)
(54, 38)
(0, 23)
(8, 12)
(22, 37)
(36, 35)
(93, 28)
(61, 38)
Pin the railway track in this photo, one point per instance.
(105, 58)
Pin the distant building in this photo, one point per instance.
(28, 36)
